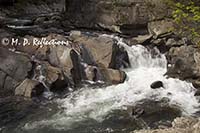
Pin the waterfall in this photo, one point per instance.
(146, 68)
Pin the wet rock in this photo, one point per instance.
(157, 84)
(48, 75)
(29, 88)
(119, 58)
(150, 113)
(13, 109)
(78, 73)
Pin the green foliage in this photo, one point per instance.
(186, 14)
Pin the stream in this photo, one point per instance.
(106, 110)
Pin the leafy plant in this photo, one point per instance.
(186, 14)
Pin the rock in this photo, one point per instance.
(15, 65)
(150, 114)
(86, 55)
(119, 58)
(142, 38)
(157, 84)
(28, 88)
(184, 62)
(74, 34)
(13, 109)
(77, 72)
(103, 50)
(180, 125)
(97, 45)
(113, 76)
(40, 20)
(174, 43)
(127, 17)
(184, 122)
(158, 28)
(14, 68)
(48, 75)
(197, 93)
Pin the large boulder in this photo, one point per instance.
(101, 50)
(184, 62)
(14, 68)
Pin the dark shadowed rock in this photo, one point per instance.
(125, 16)
(157, 84)
(13, 109)
(77, 72)
(119, 58)
(197, 93)
(6, 2)
(151, 113)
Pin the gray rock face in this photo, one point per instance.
(184, 62)
(125, 16)
(14, 65)
(14, 68)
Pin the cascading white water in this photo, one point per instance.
(89, 103)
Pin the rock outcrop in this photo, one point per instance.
(123, 16)
(82, 57)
